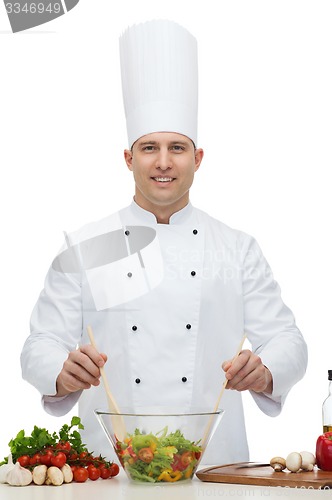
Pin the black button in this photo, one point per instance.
(129, 275)
(188, 326)
(134, 328)
(184, 379)
(127, 233)
(193, 273)
(138, 380)
(195, 231)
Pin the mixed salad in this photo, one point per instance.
(160, 457)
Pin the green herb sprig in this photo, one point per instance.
(40, 438)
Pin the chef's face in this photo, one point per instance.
(163, 165)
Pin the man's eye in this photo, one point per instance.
(177, 148)
(148, 148)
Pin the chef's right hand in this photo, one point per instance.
(80, 371)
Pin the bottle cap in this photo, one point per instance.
(330, 374)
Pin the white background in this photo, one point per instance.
(265, 125)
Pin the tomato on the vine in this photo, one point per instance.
(64, 446)
(94, 472)
(46, 457)
(73, 468)
(105, 472)
(73, 455)
(80, 474)
(59, 459)
(35, 459)
(24, 460)
(114, 468)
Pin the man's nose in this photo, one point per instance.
(164, 160)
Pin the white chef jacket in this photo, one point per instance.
(167, 310)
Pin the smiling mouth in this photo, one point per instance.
(163, 179)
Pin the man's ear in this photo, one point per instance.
(199, 153)
(128, 156)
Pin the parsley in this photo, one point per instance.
(74, 437)
(41, 438)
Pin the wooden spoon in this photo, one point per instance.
(117, 421)
(220, 395)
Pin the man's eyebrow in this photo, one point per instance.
(144, 143)
(172, 143)
(180, 143)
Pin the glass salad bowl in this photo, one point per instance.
(159, 445)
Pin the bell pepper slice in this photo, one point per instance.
(170, 475)
(188, 472)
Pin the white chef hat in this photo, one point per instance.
(159, 79)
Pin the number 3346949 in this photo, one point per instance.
(32, 8)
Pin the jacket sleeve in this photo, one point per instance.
(271, 330)
(56, 329)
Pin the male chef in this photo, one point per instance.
(168, 290)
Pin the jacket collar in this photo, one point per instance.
(180, 217)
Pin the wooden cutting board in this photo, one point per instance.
(263, 475)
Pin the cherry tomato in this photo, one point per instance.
(24, 460)
(146, 455)
(46, 457)
(197, 455)
(105, 472)
(94, 472)
(81, 474)
(35, 459)
(114, 468)
(73, 455)
(59, 459)
(64, 446)
(186, 458)
(84, 454)
(74, 467)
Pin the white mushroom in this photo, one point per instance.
(294, 461)
(39, 474)
(67, 473)
(308, 460)
(278, 463)
(54, 476)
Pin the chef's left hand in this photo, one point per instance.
(248, 372)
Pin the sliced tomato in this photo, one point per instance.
(178, 464)
(131, 452)
(186, 458)
(146, 455)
